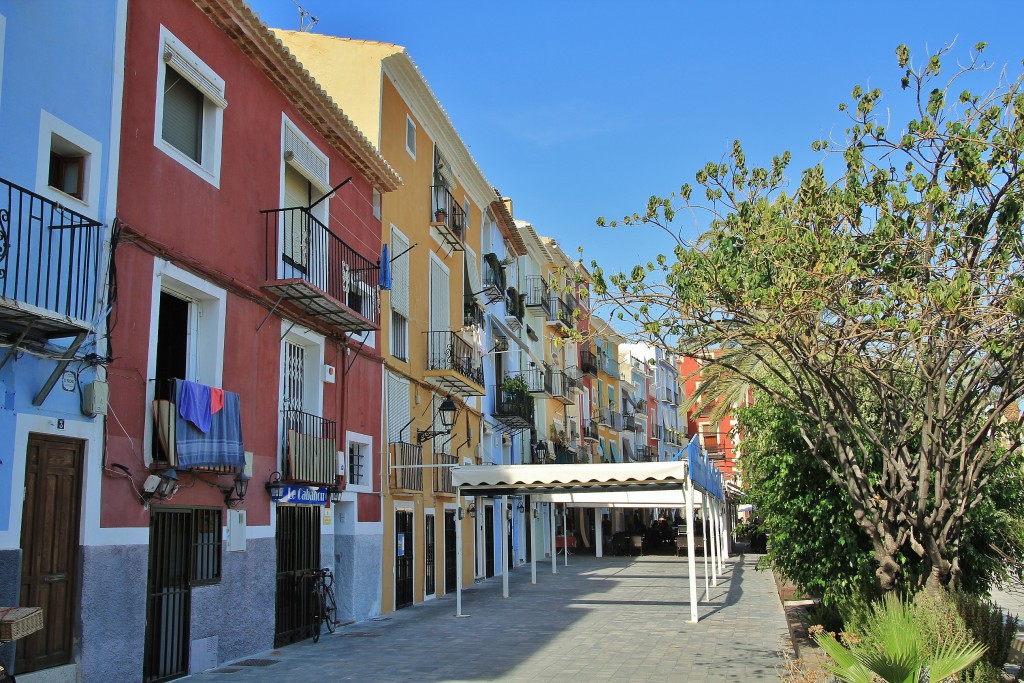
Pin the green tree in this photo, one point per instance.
(899, 280)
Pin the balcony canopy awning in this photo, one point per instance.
(507, 480)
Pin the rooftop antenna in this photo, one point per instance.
(306, 20)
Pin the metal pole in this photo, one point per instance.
(599, 531)
(534, 515)
(504, 547)
(713, 530)
(565, 536)
(458, 555)
(704, 526)
(726, 523)
(554, 550)
(690, 559)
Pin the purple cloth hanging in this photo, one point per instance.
(194, 404)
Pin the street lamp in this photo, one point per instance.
(446, 412)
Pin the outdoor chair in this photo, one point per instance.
(638, 543)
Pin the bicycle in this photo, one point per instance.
(323, 606)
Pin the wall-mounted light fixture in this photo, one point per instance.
(235, 494)
(471, 511)
(274, 487)
(334, 493)
(446, 412)
(161, 486)
(522, 506)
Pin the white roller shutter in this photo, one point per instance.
(399, 411)
(399, 273)
(440, 298)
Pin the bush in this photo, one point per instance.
(989, 625)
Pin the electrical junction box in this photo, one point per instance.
(96, 397)
(236, 531)
(329, 374)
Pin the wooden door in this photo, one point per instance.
(49, 544)
(430, 555)
(489, 540)
(450, 552)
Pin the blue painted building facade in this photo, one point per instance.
(61, 69)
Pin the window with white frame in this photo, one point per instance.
(377, 201)
(68, 165)
(189, 109)
(302, 354)
(187, 334)
(399, 409)
(399, 295)
(359, 465)
(410, 136)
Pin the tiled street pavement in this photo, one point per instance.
(608, 619)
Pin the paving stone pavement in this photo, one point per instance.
(599, 619)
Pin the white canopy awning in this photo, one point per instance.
(620, 499)
(508, 480)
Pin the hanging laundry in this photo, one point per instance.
(216, 400)
(194, 404)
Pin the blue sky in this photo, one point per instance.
(578, 110)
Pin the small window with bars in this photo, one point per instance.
(206, 546)
(399, 336)
(357, 456)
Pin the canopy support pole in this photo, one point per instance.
(691, 561)
(726, 523)
(504, 546)
(704, 526)
(534, 515)
(458, 555)
(599, 531)
(565, 535)
(554, 546)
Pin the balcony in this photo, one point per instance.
(310, 267)
(453, 365)
(310, 453)
(513, 410)
(560, 315)
(472, 313)
(180, 445)
(447, 217)
(590, 430)
(538, 380)
(647, 454)
(494, 279)
(49, 270)
(611, 419)
(405, 473)
(588, 362)
(667, 395)
(443, 475)
(538, 294)
(563, 388)
(515, 309)
(610, 366)
(629, 422)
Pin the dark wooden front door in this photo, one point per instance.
(298, 552)
(450, 552)
(430, 556)
(489, 540)
(404, 566)
(49, 544)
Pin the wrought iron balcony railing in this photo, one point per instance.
(513, 409)
(538, 294)
(446, 212)
(50, 260)
(611, 366)
(472, 313)
(588, 362)
(629, 422)
(313, 268)
(310, 449)
(172, 437)
(616, 421)
(406, 472)
(561, 313)
(590, 430)
(443, 474)
(563, 388)
(452, 363)
(538, 380)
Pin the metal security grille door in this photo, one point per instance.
(403, 559)
(440, 313)
(298, 552)
(49, 544)
(489, 539)
(430, 571)
(169, 601)
(450, 552)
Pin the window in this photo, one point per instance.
(187, 338)
(190, 109)
(410, 136)
(360, 459)
(67, 165)
(376, 203)
(399, 410)
(206, 546)
(302, 357)
(399, 295)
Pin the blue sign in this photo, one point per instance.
(702, 472)
(304, 495)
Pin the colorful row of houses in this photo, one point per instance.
(256, 299)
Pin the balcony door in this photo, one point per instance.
(304, 242)
(440, 315)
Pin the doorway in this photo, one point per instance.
(489, 540)
(298, 553)
(403, 559)
(430, 555)
(450, 552)
(49, 545)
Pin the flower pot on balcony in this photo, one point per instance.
(440, 216)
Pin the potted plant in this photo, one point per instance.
(515, 384)
(440, 215)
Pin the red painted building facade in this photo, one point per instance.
(246, 261)
(720, 439)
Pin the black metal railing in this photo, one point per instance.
(629, 422)
(472, 312)
(538, 293)
(562, 387)
(445, 210)
(647, 453)
(513, 404)
(610, 365)
(668, 395)
(49, 255)
(538, 380)
(406, 470)
(443, 475)
(561, 311)
(310, 448)
(448, 351)
(300, 246)
(588, 362)
(590, 429)
(165, 434)
(615, 420)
